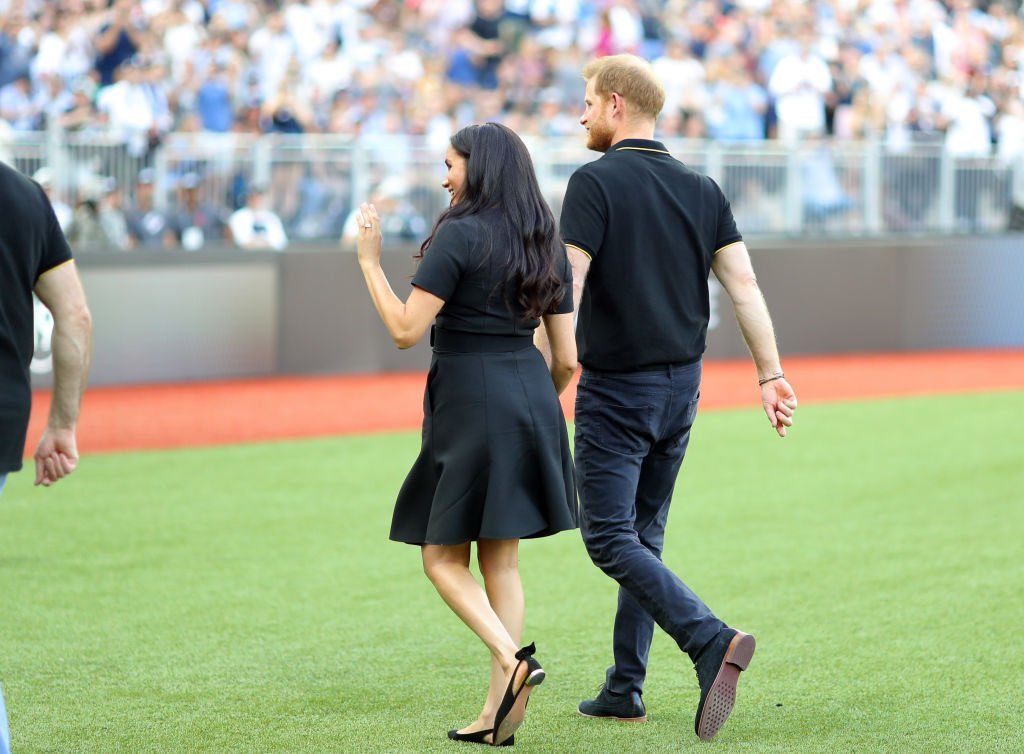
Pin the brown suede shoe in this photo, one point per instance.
(718, 671)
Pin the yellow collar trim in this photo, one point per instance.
(643, 149)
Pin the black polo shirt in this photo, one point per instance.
(651, 227)
(31, 243)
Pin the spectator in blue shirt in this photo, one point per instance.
(117, 42)
(18, 106)
(15, 55)
(213, 101)
(737, 104)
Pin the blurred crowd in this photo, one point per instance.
(947, 72)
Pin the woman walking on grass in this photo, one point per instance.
(494, 466)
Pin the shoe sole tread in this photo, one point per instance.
(721, 697)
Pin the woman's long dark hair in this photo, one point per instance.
(499, 174)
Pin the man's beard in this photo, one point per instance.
(599, 137)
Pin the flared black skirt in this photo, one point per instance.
(495, 460)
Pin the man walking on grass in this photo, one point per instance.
(643, 232)
(35, 257)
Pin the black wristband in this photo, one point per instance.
(772, 378)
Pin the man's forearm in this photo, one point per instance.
(540, 340)
(72, 342)
(756, 327)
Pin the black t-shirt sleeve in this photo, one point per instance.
(443, 263)
(584, 214)
(727, 232)
(565, 305)
(56, 250)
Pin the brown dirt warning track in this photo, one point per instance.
(249, 410)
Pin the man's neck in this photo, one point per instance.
(633, 131)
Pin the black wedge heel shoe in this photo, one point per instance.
(478, 736)
(512, 710)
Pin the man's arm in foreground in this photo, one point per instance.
(60, 289)
(735, 272)
(580, 264)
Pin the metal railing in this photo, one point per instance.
(314, 181)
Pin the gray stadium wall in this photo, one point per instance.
(179, 316)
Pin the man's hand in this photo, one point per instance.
(779, 403)
(56, 455)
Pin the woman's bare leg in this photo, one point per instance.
(447, 567)
(499, 565)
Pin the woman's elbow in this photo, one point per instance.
(563, 369)
(405, 339)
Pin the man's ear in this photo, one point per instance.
(618, 104)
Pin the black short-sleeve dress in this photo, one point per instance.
(495, 460)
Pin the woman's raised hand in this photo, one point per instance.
(369, 241)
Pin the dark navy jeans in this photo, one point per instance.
(631, 435)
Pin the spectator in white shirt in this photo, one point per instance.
(44, 177)
(683, 77)
(129, 108)
(326, 76)
(271, 48)
(1010, 149)
(967, 117)
(799, 84)
(254, 226)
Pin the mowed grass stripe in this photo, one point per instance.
(246, 599)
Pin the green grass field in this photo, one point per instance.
(246, 599)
